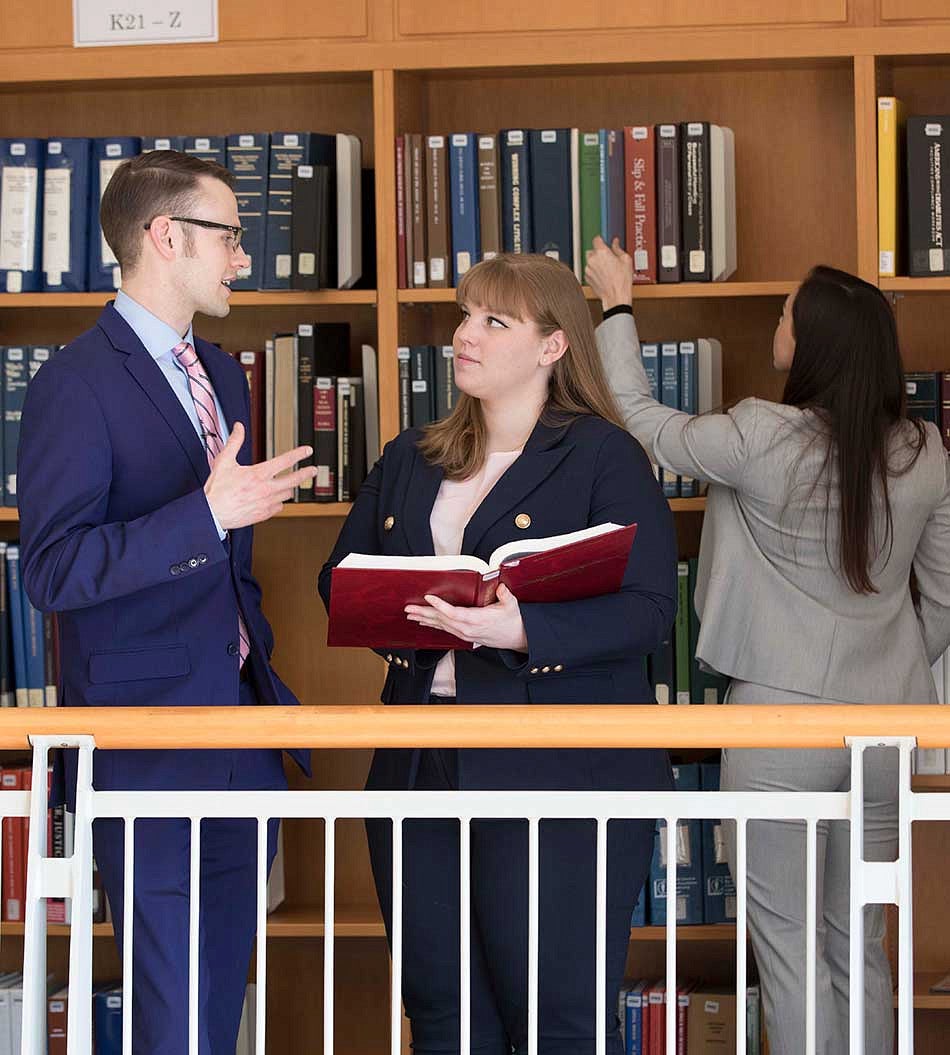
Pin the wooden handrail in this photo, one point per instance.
(479, 726)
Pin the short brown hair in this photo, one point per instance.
(544, 291)
(159, 183)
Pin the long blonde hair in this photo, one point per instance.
(533, 288)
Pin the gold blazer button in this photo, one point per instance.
(388, 523)
(522, 520)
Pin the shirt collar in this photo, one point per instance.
(158, 337)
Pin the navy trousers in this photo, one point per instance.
(227, 913)
(568, 1018)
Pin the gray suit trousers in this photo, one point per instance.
(776, 906)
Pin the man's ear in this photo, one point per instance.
(163, 237)
(554, 347)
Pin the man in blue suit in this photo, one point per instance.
(136, 505)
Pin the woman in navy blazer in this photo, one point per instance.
(533, 396)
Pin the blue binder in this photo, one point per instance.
(15, 608)
(208, 148)
(107, 155)
(463, 182)
(287, 150)
(150, 143)
(248, 157)
(66, 215)
(515, 191)
(551, 208)
(21, 215)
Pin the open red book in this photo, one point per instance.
(368, 593)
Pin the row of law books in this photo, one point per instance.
(687, 376)
(667, 191)
(107, 1020)
(705, 891)
(60, 827)
(674, 673)
(427, 388)
(928, 398)
(706, 1018)
(304, 392)
(29, 643)
(300, 198)
(913, 185)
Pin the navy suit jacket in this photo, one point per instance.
(575, 475)
(118, 539)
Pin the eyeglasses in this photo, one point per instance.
(212, 225)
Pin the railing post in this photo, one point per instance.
(79, 1008)
(881, 883)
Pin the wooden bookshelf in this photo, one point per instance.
(923, 998)
(795, 79)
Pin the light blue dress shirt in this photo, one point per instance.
(159, 339)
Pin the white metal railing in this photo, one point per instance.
(871, 882)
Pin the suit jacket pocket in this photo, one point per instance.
(138, 664)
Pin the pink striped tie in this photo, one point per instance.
(203, 395)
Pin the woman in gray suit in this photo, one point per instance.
(819, 508)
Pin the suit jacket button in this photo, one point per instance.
(405, 664)
(175, 569)
(388, 523)
(389, 657)
(558, 668)
(202, 558)
(534, 670)
(233, 649)
(545, 670)
(193, 563)
(522, 520)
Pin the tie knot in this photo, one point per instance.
(185, 354)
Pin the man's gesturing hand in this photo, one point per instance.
(247, 494)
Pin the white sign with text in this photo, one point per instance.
(99, 23)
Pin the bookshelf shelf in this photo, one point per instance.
(671, 291)
(239, 299)
(697, 932)
(916, 285)
(923, 998)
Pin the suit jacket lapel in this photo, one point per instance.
(424, 483)
(149, 376)
(542, 454)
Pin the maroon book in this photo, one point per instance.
(369, 593)
(640, 186)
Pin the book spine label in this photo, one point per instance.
(695, 194)
(288, 149)
(689, 402)
(515, 192)
(405, 388)
(668, 203)
(324, 439)
(401, 271)
(466, 232)
(928, 186)
(489, 197)
(21, 211)
(550, 182)
(437, 218)
(207, 148)
(420, 270)
(641, 201)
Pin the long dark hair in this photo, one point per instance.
(847, 368)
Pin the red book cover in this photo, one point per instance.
(682, 1015)
(369, 594)
(56, 1011)
(657, 1000)
(640, 167)
(26, 782)
(252, 363)
(401, 265)
(10, 852)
